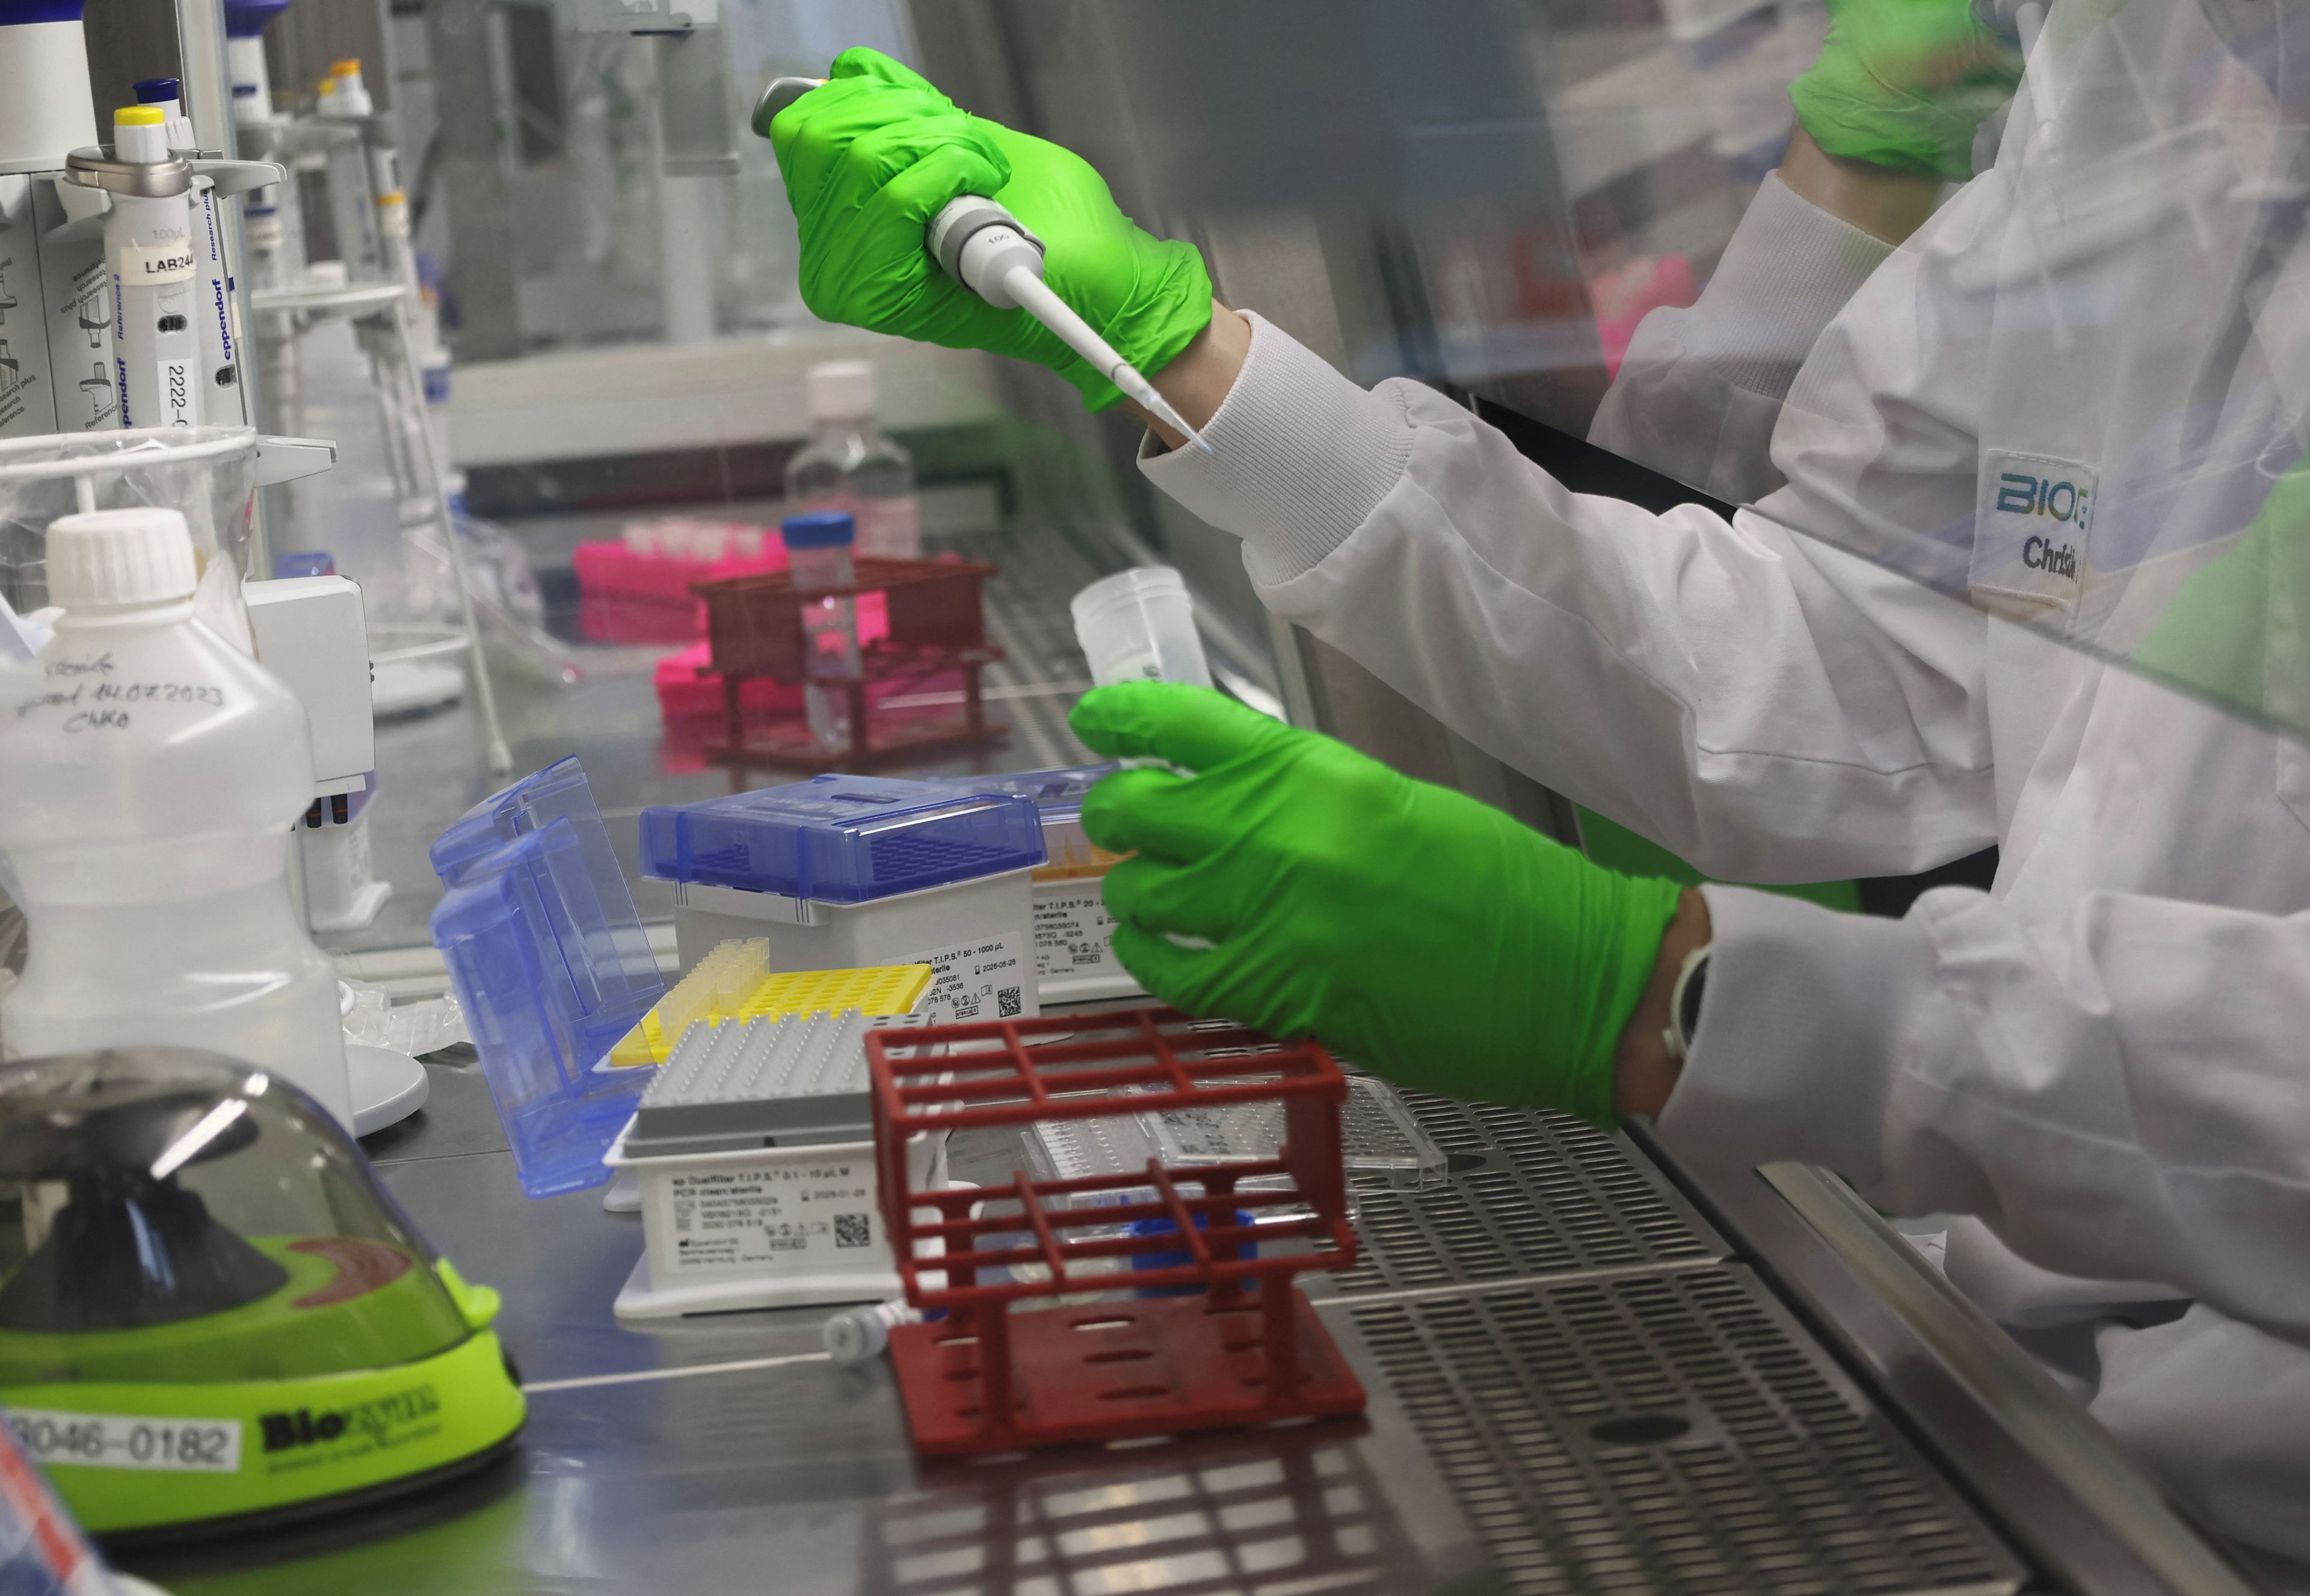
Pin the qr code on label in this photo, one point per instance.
(853, 1230)
(1008, 1004)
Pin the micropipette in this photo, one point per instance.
(986, 249)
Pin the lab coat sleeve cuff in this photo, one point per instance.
(1798, 1036)
(1789, 268)
(1299, 456)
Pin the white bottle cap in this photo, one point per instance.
(842, 391)
(121, 556)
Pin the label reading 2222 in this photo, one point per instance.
(115, 1441)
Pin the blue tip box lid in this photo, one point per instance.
(552, 967)
(842, 838)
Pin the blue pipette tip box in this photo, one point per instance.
(552, 965)
(843, 839)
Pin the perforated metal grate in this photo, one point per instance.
(1670, 1432)
(1535, 1193)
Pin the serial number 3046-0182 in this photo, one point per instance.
(117, 1441)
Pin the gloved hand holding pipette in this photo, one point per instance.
(873, 158)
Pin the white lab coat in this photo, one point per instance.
(2102, 1061)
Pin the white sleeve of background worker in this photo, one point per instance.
(1700, 388)
(2117, 1093)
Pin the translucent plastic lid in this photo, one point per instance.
(551, 965)
(526, 807)
(842, 838)
(179, 1217)
(1058, 797)
(1057, 792)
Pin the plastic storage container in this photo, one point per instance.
(149, 773)
(1139, 626)
(552, 965)
(842, 872)
(1074, 953)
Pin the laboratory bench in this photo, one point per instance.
(1588, 1372)
(1589, 1369)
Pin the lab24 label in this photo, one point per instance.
(50, 1436)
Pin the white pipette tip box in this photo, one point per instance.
(755, 1180)
(748, 1153)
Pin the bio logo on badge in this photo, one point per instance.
(2019, 494)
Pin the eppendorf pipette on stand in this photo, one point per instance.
(982, 247)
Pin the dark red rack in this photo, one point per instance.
(937, 634)
(1248, 1349)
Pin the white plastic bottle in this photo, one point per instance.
(849, 464)
(150, 772)
(818, 558)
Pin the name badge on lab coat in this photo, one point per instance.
(2031, 532)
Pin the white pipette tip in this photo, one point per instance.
(1126, 377)
(1021, 287)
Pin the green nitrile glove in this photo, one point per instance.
(1905, 84)
(1423, 934)
(870, 158)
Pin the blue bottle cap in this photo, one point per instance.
(153, 91)
(819, 529)
(244, 19)
(842, 838)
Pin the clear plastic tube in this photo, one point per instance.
(1139, 625)
(830, 636)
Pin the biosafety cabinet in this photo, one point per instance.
(528, 286)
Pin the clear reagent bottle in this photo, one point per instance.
(818, 561)
(150, 773)
(849, 463)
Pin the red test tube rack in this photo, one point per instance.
(1241, 1347)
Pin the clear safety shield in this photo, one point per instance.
(2006, 300)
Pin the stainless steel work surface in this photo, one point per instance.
(1572, 1390)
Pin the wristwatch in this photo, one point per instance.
(1684, 1003)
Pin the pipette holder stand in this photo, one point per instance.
(1241, 1347)
(754, 629)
